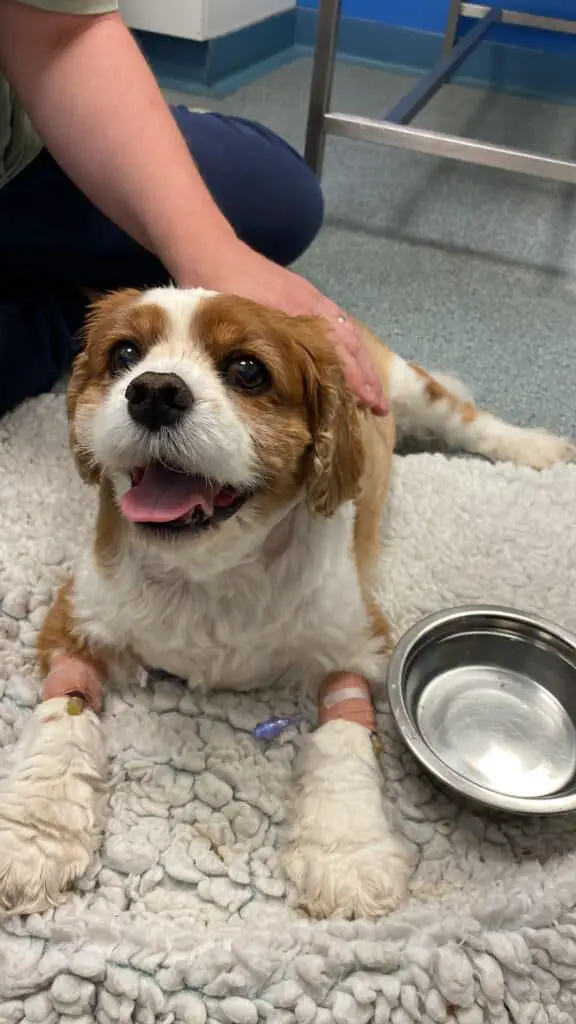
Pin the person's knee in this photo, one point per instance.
(301, 215)
(288, 200)
(264, 188)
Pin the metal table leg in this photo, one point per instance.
(451, 26)
(322, 78)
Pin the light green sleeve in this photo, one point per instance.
(74, 6)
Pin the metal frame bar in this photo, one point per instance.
(451, 29)
(564, 25)
(414, 101)
(394, 130)
(454, 147)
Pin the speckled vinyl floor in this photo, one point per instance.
(462, 268)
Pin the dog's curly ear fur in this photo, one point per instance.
(336, 460)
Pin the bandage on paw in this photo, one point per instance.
(69, 676)
(346, 696)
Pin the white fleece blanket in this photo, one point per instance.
(185, 915)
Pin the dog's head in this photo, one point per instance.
(208, 416)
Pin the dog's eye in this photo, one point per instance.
(122, 356)
(245, 373)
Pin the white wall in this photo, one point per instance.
(199, 19)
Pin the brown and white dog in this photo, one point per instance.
(240, 496)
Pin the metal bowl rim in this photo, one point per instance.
(418, 633)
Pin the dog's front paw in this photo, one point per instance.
(49, 808)
(342, 855)
(356, 879)
(36, 868)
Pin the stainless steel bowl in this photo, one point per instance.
(485, 698)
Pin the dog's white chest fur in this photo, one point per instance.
(298, 617)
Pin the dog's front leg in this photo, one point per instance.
(50, 803)
(342, 854)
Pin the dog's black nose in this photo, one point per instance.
(158, 399)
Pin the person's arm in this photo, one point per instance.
(100, 112)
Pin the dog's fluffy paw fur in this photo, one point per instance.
(50, 807)
(525, 446)
(539, 449)
(352, 881)
(341, 853)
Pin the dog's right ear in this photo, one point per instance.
(88, 472)
(86, 382)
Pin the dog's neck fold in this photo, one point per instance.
(278, 540)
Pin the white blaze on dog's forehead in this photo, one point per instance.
(180, 306)
(169, 296)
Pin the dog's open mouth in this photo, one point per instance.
(170, 500)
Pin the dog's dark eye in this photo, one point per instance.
(122, 356)
(245, 373)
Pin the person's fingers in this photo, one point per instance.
(352, 370)
(360, 373)
(359, 378)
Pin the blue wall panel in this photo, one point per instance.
(430, 15)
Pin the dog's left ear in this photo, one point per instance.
(336, 460)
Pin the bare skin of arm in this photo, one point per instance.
(129, 158)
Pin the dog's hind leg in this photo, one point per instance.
(431, 407)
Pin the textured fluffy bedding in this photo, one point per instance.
(185, 915)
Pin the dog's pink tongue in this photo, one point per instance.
(162, 495)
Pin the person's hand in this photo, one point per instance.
(250, 275)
